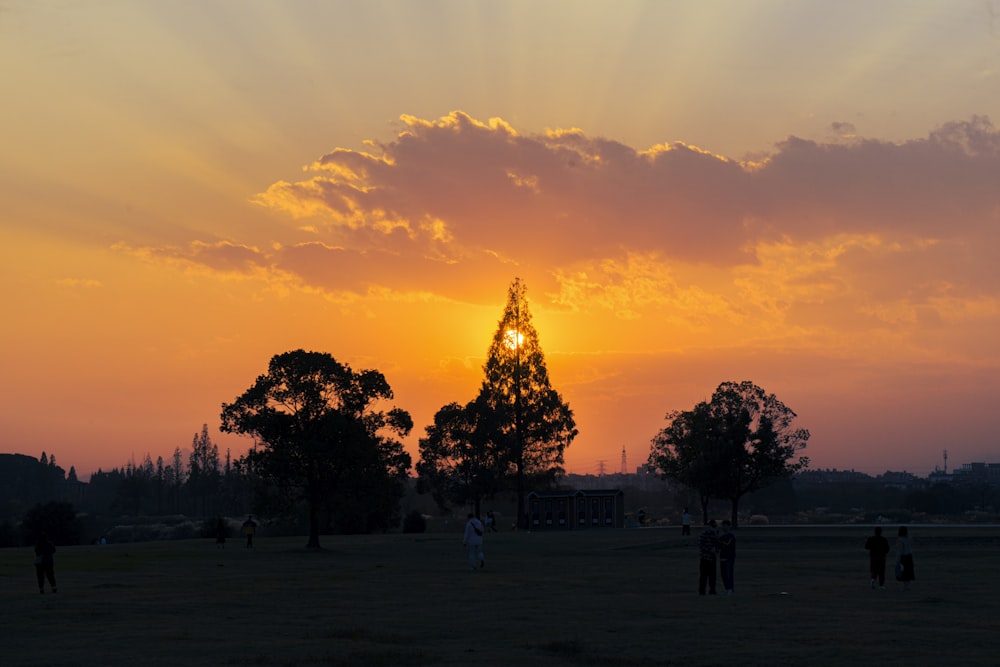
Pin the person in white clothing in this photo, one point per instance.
(473, 541)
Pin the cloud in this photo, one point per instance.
(943, 186)
(221, 257)
(79, 283)
(854, 234)
(546, 198)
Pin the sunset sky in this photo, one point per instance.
(801, 194)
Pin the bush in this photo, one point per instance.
(58, 520)
(210, 528)
(8, 535)
(150, 529)
(414, 522)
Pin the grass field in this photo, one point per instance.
(625, 597)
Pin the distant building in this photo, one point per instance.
(939, 477)
(643, 479)
(978, 473)
(566, 510)
(831, 476)
(900, 480)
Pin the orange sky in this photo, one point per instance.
(806, 196)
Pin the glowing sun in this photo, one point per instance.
(513, 339)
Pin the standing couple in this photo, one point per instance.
(878, 549)
(714, 544)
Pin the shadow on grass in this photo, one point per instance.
(384, 657)
(375, 657)
(360, 634)
(574, 651)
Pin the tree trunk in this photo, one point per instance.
(704, 509)
(736, 507)
(313, 525)
(522, 516)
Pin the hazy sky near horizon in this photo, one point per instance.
(801, 194)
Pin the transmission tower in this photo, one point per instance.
(946, 461)
(624, 462)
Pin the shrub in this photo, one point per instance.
(8, 535)
(210, 528)
(56, 519)
(414, 522)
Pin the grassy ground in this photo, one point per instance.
(613, 598)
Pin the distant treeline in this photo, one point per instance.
(819, 497)
(194, 487)
(202, 487)
(199, 487)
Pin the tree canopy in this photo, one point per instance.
(56, 519)
(533, 426)
(320, 430)
(204, 471)
(458, 465)
(515, 431)
(738, 442)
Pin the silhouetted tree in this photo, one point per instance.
(533, 426)
(160, 483)
(688, 451)
(737, 443)
(56, 519)
(8, 535)
(318, 423)
(176, 475)
(26, 480)
(234, 484)
(370, 481)
(414, 522)
(458, 464)
(50, 477)
(133, 488)
(204, 474)
(936, 499)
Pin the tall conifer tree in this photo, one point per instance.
(533, 424)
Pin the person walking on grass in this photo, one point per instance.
(220, 533)
(708, 549)
(249, 528)
(685, 522)
(878, 549)
(472, 539)
(45, 563)
(727, 557)
(904, 557)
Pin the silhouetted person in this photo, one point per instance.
(685, 522)
(878, 549)
(491, 522)
(473, 541)
(220, 533)
(727, 557)
(249, 528)
(904, 556)
(708, 548)
(45, 563)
